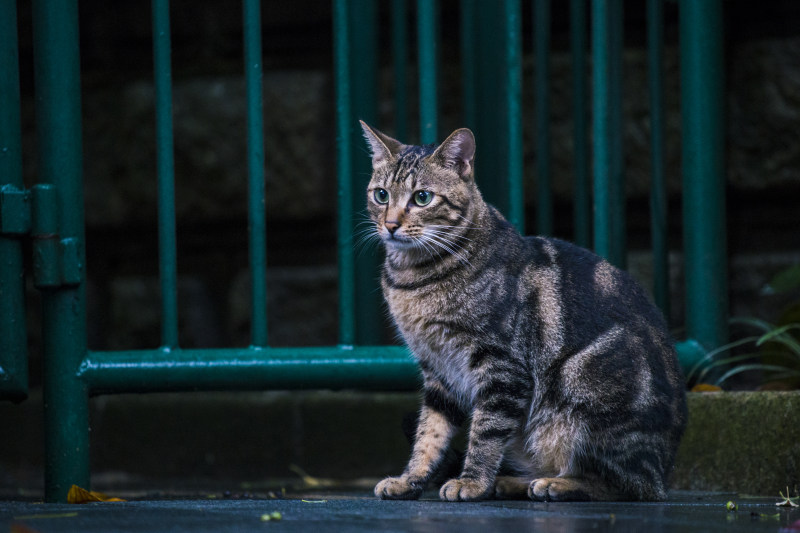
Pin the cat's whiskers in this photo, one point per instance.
(435, 229)
(365, 237)
(422, 243)
(449, 246)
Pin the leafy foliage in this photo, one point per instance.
(771, 349)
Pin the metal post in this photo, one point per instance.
(469, 81)
(13, 331)
(544, 189)
(512, 86)
(493, 52)
(58, 118)
(344, 144)
(658, 186)
(583, 196)
(427, 37)
(702, 112)
(609, 182)
(255, 159)
(363, 71)
(167, 245)
(400, 62)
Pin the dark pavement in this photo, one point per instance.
(319, 512)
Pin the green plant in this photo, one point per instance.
(776, 354)
(774, 348)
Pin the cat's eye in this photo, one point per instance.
(381, 196)
(423, 198)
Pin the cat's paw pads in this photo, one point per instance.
(397, 488)
(556, 489)
(463, 490)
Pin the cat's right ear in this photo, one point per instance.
(381, 145)
(457, 153)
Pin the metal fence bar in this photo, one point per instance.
(583, 197)
(364, 47)
(400, 64)
(512, 55)
(58, 120)
(427, 60)
(167, 245)
(609, 190)
(13, 200)
(702, 112)
(257, 221)
(541, 45)
(344, 171)
(658, 183)
(467, 43)
(491, 47)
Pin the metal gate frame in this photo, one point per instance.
(52, 211)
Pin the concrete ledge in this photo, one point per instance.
(739, 442)
(748, 442)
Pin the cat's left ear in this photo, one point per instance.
(381, 145)
(457, 152)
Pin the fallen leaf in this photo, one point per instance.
(77, 494)
(706, 387)
(308, 481)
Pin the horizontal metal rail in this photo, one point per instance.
(330, 367)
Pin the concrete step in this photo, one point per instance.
(741, 442)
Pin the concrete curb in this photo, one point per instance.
(746, 442)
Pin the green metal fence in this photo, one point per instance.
(50, 213)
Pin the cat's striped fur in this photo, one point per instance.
(559, 361)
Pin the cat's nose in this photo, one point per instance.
(392, 226)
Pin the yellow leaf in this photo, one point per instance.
(705, 387)
(78, 495)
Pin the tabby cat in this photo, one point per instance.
(562, 365)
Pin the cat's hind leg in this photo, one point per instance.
(511, 487)
(563, 489)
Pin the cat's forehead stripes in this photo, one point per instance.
(408, 161)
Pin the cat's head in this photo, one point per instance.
(422, 198)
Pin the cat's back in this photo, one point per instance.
(593, 292)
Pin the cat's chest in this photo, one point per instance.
(426, 320)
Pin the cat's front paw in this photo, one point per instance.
(398, 488)
(464, 490)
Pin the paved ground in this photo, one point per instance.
(321, 512)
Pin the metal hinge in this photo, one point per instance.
(34, 213)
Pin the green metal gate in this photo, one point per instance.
(51, 215)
